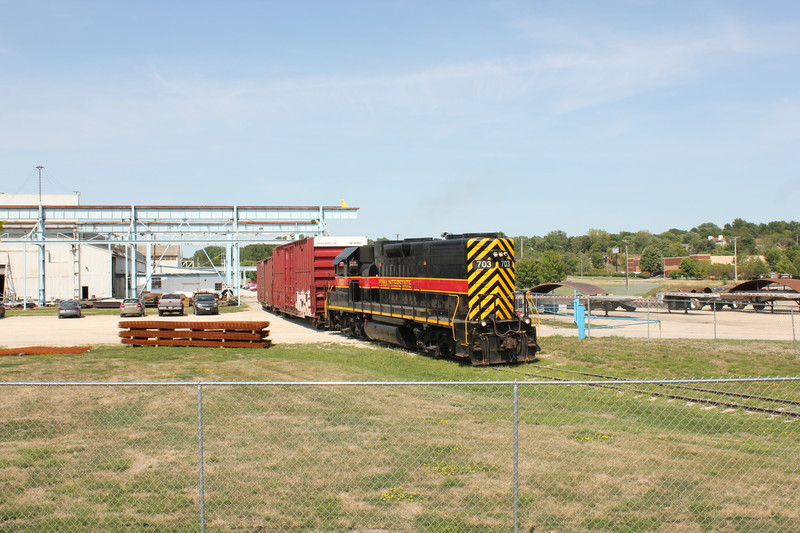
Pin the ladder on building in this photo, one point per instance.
(9, 292)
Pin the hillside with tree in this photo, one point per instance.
(760, 249)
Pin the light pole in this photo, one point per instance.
(39, 168)
(735, 261)
(40, 238)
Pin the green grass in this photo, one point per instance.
(630, 358)
(397, 458)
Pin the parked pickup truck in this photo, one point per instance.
(170, 303)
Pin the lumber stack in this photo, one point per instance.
(232, 334)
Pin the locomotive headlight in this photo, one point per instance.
(527, 320)
(495, 254)
(484, 323)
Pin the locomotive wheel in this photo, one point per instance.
(447, 348)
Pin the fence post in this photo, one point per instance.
(794, 335)
(516, 458)
(714, 307)
(589, 317)
(202, 481)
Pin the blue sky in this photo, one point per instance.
(431, 116)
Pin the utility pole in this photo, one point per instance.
(626, 266)
(735, 261)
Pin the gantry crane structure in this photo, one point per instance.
(146, 226)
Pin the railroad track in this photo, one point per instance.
(675, 396)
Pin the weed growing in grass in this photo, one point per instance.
(452, 469)
(584, 436)
(399, 494)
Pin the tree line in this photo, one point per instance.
(552, 257)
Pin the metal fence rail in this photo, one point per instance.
(655, 318)
(646, 455)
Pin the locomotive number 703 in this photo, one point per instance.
(487, 263)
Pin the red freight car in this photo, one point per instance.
(294, 281)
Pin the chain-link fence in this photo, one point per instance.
(686, 316)
(694, 455)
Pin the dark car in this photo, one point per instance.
(205, 304)
(2, 310)
(69, 308)
(131, 307)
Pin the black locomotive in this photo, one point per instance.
(451, 297)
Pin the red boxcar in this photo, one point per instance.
(295, 279)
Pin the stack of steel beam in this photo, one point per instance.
(233, 334)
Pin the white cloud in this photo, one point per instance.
(575, 69)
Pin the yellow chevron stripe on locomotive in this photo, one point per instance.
(491, 277)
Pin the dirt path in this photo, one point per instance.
(17, 331)
(103, 329)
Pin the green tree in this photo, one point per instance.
(527, 273)
(707, 229)
(598, 260)
(773, 257)
(785, 266)
(256, 252)
(216, 254)
(690, 268)
(752, 268)
(675, 249)
(719, 271)
(551, 267)
(600, 240)
(556, 240)
(651, 261)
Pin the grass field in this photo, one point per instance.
(394, 457)
(648, 287)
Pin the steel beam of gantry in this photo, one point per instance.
(229, 226)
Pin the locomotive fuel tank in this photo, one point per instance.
(389, 334)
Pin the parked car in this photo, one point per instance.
(131, 307)
(205, 304)
(170, 303)
(69, 308)
(2, 310)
